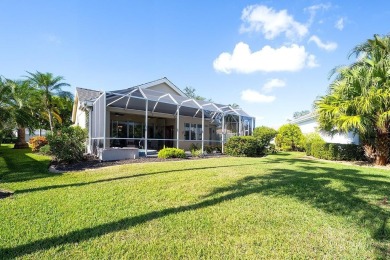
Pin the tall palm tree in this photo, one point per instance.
(50, 86)
(359, 98)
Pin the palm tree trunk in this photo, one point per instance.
(50, 120)
(382, 148)
(21, 142)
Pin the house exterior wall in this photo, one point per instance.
(80, 119)
(310, 125)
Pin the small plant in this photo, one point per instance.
(45, 150)
(37, 142)
(197, 153)
(171, 153)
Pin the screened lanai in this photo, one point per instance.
(151, 119)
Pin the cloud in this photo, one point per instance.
(253, 96)
(243, 60)
(260, 18)
(329, 46)
(340, 24)
(313, 11)
(273, 83)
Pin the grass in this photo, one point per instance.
(279, 206)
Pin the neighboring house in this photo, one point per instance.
(29, 134)
(308, 124)
(154, 115)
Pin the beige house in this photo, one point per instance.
(152, 116)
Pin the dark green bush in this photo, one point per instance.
(343, 152)
(244, 146)
(68, 144)
(171, 153)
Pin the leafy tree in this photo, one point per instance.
(264, 134)
(49, 86)
(289, 137)
(359, 98)
(191, 93)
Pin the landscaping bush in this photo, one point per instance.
(68, 144)
(37, 142)
(343, 152)
(309, 139)
(244, 146)
(45, 150)
(197, 153)
(171, 153)
(264, 134)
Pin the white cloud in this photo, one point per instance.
(340, 24)
(312, 61)
(254, 96)
(243, 60)
(260, 18)
(329, 46)
(273, 83)
(313, 11)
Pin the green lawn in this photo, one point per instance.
(279, 206)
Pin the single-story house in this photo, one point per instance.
(154, 115)
(308, 124)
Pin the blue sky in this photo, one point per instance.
(271, 57)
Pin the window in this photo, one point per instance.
(192, 131)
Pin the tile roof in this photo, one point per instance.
(87, 94)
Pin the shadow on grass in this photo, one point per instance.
(79, 184)
(17, 166)
(341, 192)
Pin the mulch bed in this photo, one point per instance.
(94, 163)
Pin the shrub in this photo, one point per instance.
(244, 146)
(171, 153)
(37, 142)
(309, 139)
(45, 150)
(290, 135)
(68, 144)
(264, 134)
(330, 151)
(197, 153)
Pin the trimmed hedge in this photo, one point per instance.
(338, 152)
(244, 146)
(171, 153)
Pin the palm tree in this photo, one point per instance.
(20, 111)
(49, 86)
(359, 98)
